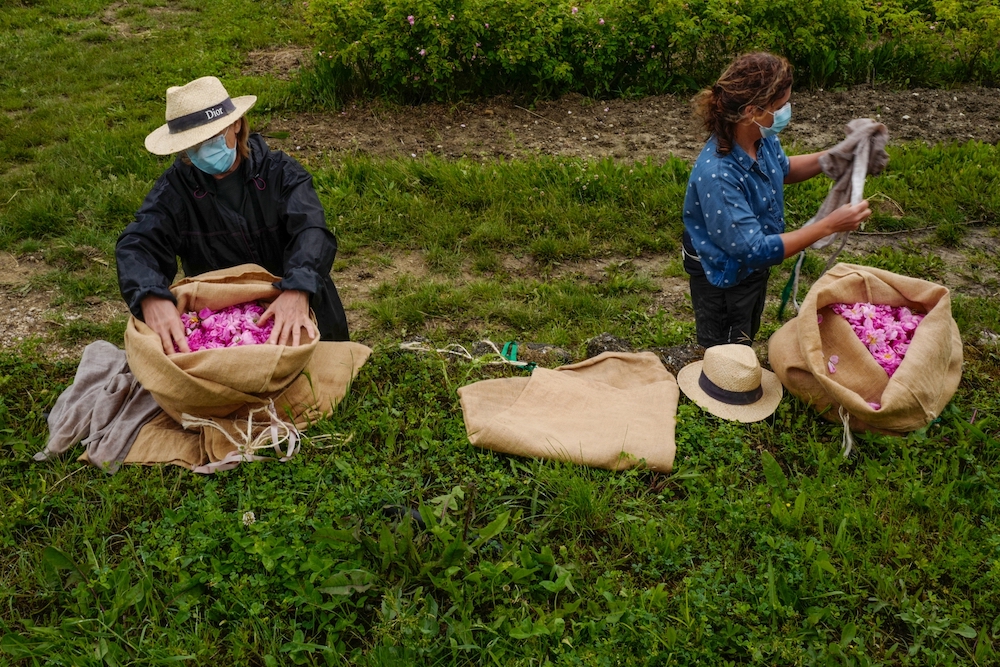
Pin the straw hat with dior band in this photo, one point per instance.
(730, 384)
(196, 112)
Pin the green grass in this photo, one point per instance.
(762, 547)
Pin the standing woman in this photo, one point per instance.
(228, 200)
(734, 212)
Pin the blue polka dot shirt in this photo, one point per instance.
(734, 210)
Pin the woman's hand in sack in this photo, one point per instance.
(162, 316)
(291, 315)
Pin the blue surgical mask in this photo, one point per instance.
(213, 157)
(781, 119)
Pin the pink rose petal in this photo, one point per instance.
(227, 327)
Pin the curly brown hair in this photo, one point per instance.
(753, 79)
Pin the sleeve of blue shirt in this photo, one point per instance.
(786, 164)
(733, 226)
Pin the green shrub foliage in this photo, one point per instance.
(420, 50)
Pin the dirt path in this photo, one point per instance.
(654, 127)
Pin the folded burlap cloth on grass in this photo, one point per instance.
(613, 411)
(919, 389)
(217, 391)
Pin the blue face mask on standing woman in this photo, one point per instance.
(781, 119)
(213, 157)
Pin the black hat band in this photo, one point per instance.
(729, 397)
(203, 117)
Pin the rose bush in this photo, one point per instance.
(420, 50)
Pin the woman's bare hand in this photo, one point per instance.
(162, 316)
(847, 218)
(291, 315)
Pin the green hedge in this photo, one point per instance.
(420, 50)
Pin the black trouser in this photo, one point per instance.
(730, 315)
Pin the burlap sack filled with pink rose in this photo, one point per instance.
(919, 389)
(296, 385)
(219, 382)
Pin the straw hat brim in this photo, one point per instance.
(161, 142)
(687, 380)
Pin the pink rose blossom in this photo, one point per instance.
(886, 331)
(575, 10)
(227, 327)
(600, 21)
(411, 19)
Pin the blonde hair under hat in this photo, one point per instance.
(730, 384)
(196, 112)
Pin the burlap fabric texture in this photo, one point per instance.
(919, 389)
(613, 411)
(224, 385)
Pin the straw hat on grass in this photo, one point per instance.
(730, 384)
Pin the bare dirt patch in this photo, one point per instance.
(119, 22)
(280, 63)
(654, 127)
(29, 312)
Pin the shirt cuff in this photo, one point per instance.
(158, 291)
(301, 279)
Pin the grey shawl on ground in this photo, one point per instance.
(104, 408)
(848, 163)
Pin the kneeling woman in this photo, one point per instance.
(734, 212)
(228, 200)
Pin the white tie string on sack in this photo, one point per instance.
(847, 443)
(460, 351)
(247, 445)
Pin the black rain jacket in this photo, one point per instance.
(182, 217)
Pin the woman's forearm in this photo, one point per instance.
(802, 238)
(803, 167)
(847, 218)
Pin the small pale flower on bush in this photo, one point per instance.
(411, 19)
(600, 21)
(249, 518)
(422, 52)
(451, 18)
(575, 10)
(228, 327)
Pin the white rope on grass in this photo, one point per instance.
(460, 351)
(847, 443)
(268, 436)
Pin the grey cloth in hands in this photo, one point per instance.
(104, 408)
(848, 163)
